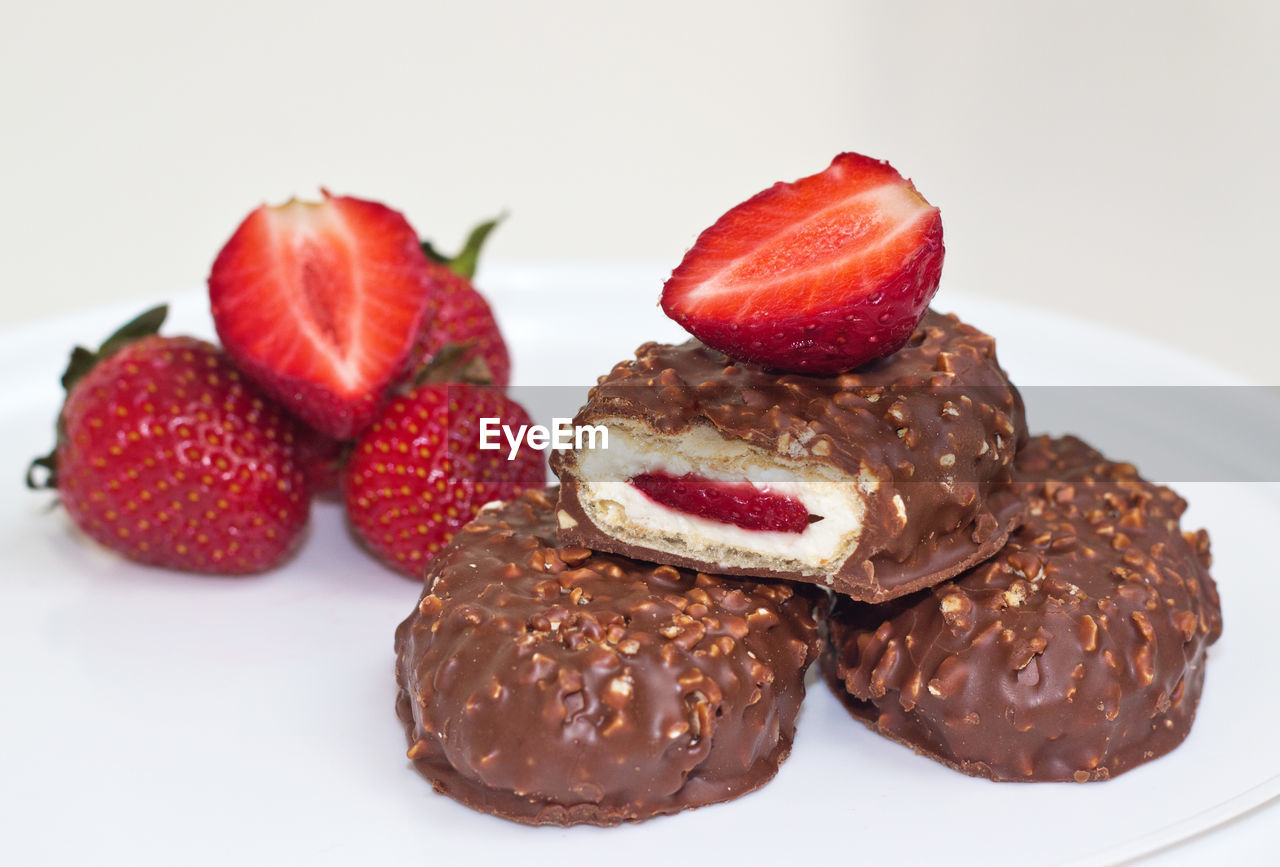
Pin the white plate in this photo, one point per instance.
(154, 717)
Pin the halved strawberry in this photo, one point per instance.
(816, 276)
(320, 303)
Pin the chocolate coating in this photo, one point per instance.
(1077, 653)
(937, 424)
(553, 685)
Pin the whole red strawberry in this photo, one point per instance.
(418, 474)
(462, 318)
(322, 304)
(320, 458)
(816, 276)
(167, 456)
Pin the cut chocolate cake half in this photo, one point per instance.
(875, 483)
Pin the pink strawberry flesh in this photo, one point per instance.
(816, 276)
(739, 503)
(321, 303)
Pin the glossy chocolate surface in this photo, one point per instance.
(1076, 653)
(937, 424)
(548, 684)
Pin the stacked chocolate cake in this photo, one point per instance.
(830, 453)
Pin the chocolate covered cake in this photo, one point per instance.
(551, 685)
(1076, 653)
(873, 483)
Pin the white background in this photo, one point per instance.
(1117, 161)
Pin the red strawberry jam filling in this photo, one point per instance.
(739, 503)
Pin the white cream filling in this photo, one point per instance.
(620, 509)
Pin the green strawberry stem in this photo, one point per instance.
(465, 262)
(82, 361)
(451, 365)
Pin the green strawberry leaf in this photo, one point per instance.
(83, 360)
(466, 261)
